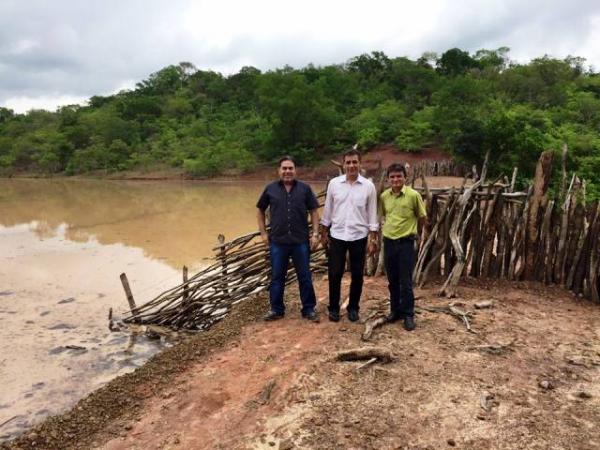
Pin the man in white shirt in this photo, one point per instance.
(349, 225)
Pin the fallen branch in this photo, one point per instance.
(495, 348)
(452, 310)
(370, 325)
(368, 363)
(365, 353)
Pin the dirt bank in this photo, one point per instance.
(527, 377)
(386, 153)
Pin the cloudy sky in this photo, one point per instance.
(58, 52)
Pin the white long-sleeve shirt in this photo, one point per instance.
(350, 209)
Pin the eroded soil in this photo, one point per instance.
(528, 377)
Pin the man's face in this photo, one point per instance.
(352, 165)
(287, 171)
(396, 180)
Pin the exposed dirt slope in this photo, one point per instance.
(278, 386)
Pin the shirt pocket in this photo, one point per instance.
(359, 200)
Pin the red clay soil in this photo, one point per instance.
(527, 377)
(386, 153)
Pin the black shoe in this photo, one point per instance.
(393, 317)
(334, 316)
(312, 316)
(353, 315)
(272, 315)
(409, 323)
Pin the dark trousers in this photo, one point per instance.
(399, 259)
(337, 262)
(280, 257)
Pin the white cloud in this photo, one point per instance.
(47, 102)
(67, 49)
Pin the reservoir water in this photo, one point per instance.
(63, 244)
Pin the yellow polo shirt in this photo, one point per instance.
(401, 212)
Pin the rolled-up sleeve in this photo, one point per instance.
(328, 208)
(372, 209)
(263, 201)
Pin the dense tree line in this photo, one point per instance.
(207, 123)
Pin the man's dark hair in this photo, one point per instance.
(351, 152)
(286, 158)
(396, 167)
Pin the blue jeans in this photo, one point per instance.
(280, 256)
(399, 258)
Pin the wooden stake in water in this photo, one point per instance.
(186, 288)
(129, 295)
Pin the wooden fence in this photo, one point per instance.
(482, 231)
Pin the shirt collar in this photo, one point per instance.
(402, 191)
(283, 185)
(360, 179)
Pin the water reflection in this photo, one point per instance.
(175, 222)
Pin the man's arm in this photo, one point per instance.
(314, 239)
(421, 214)
(326, 218)
(373, 221)
(262, 227)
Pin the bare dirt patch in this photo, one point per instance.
(527, 378)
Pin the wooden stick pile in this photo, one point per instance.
(482, 231)
(241, 269)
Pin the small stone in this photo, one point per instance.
(128, 427)
(481, 416)
(584, 394)
(272, 443)
(286, 444)
(484, 304)
(451, 442)
(546, 385)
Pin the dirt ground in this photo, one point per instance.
(525, 377)
(278, 385)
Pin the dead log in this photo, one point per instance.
(365, 353)
(541, 181)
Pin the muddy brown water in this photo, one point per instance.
(63, 244)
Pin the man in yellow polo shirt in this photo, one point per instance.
(402, 209)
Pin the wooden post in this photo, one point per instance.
(221, 239)
(513, 180)
(130, 300)
(538, 199)
(186, 288)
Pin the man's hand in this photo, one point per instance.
(265, 238)
(324, 240)
(314, 242)
(371, 247)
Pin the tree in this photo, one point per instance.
(456, 62)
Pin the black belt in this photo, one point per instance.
(411, 237)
